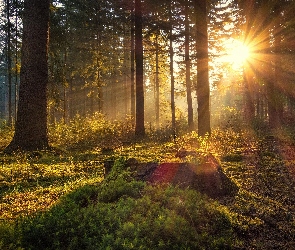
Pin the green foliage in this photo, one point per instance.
(60, 201)
(125, 214)
(220, 142)
(89, 132)
(6, 134)
(233, 157)
(8, 237)
(29, 184)
(264, 205)
(119, 183)
(230, 118)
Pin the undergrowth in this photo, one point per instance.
(87, 132)
(121, 213)
(63, 201)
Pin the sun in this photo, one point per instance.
(236, 53)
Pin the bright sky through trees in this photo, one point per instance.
(235, 53)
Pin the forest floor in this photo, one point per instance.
(265, 174)
(262, 211)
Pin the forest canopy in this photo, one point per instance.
(91, 61)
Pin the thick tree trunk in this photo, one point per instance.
(31, 123)
(190, 114)
(139, 116)
(9, 54)
(203, 88)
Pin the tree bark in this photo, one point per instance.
(157, 90)
(248, 8)
(190, 113)
(132, 85)
(31, 124)
(16, 61)
(275, 103)
(203, 88)
(9, 54)
(248, 95)
(172, 97)
(139, 116)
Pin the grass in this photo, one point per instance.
(50, 201)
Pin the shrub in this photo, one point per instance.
(122, 213)
(87, 132)
(6, 134)
(8, 238)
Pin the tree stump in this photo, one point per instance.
(207, 177)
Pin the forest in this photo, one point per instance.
(143, 124)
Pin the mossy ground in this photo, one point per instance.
(65, 202)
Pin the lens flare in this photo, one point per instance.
(236, 53)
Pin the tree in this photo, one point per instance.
(132, 65)
(203, 88)
(248, 9)
(9, 63)
(172, 82)
(9, 58)
(139, 116)
(190, 113)
(266, 37)
(275, 105)
(31, 124)
(157, 84)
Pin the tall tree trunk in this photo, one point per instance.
(31, 123)
(271, 77)
(125, 74)
(16, 61)
(9, 63)
(98, 64)
(66, 110)
(71, 95)
(248, 8)
(157, 90)
(203, 88)
(190, 114)
(132, 85)
(98, 82)
(274, 90)
(139, 117)
(172, 98)
(248, 95)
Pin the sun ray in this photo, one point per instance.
(236, 53)
(239, 52)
